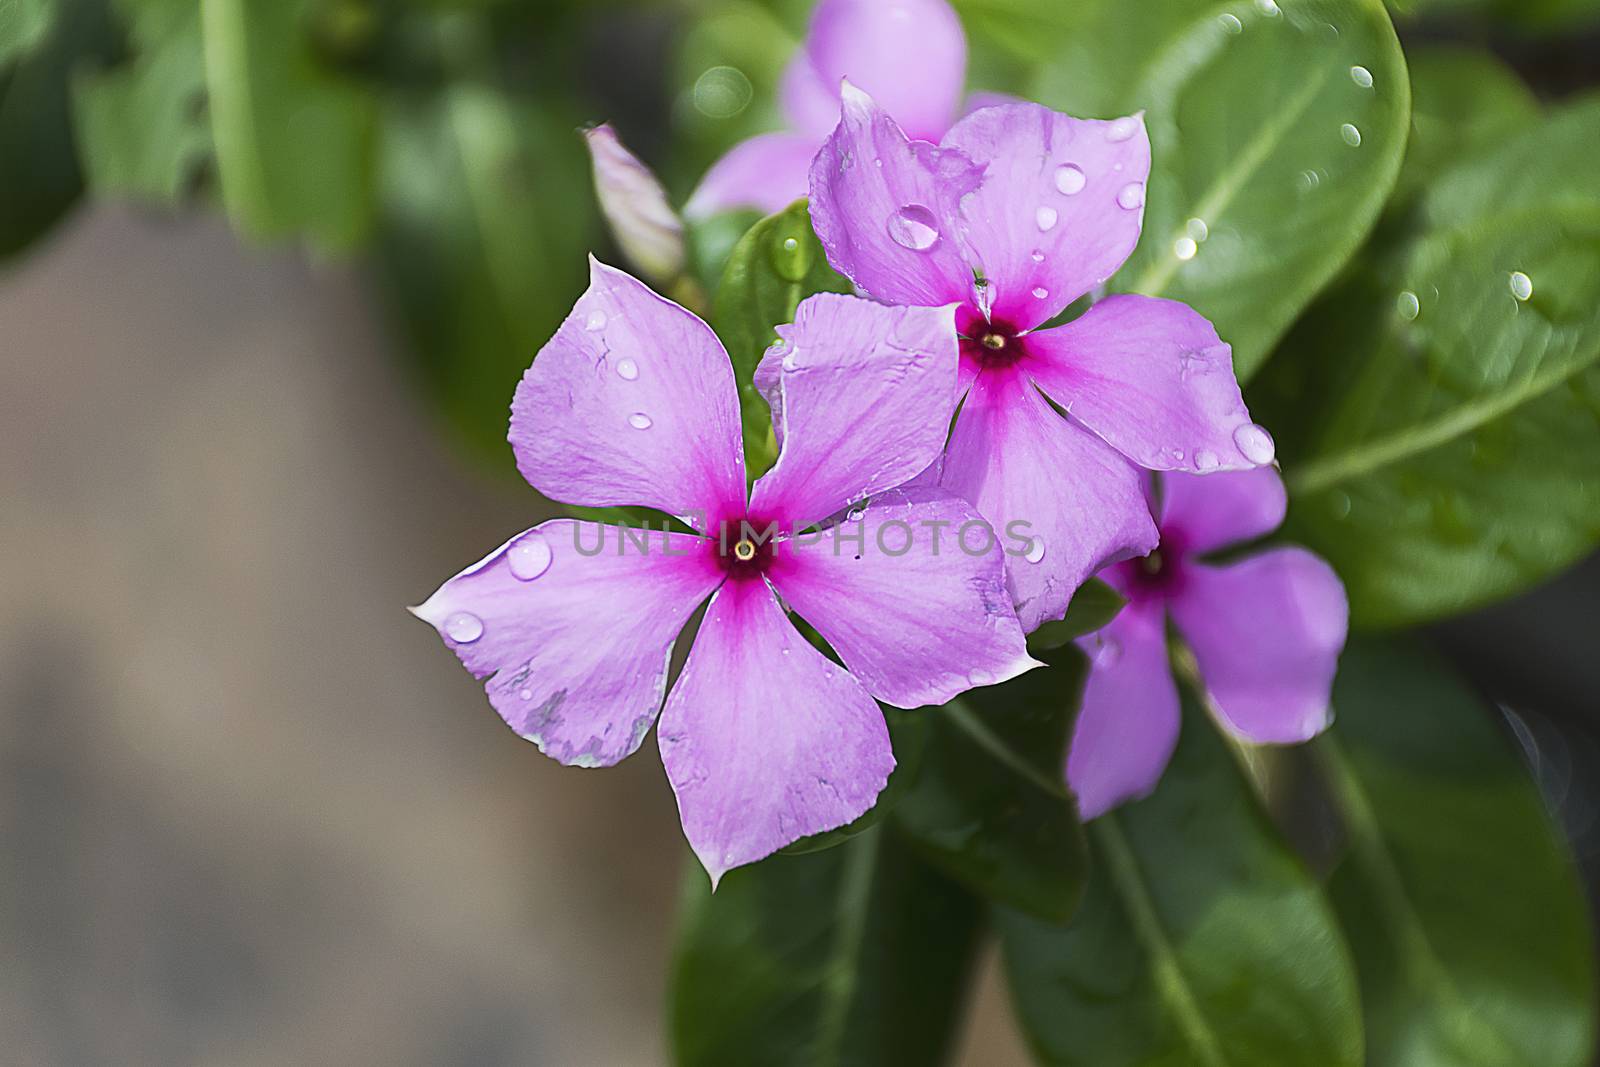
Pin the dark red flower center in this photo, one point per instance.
(992, 343)
(744, 547)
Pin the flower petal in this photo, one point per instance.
(631, 402)
(767, 172)
(810, 102)
(635, 205)
(1064, 502)
(573, 628)
(764, 740)
(910, 54)
(1060, 207)
(1152, 379)
(1266, 632)
(911, 594)
(864, 395)
(1127, 726)
(1218, 510)
(885, 208)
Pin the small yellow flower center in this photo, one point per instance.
(745, 550)
(993, 342)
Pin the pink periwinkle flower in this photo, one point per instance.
(910, 53)
(1017, 213)
(764, 739)
(1266, 630)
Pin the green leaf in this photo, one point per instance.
(857, 955)
(1093, 606)
(294, 141)
(23, 27)
(1440, 436)
(990, 805)
(775, 266)
(1468, 923)
(1540, 16)
(1201, 941)
(1276, 138)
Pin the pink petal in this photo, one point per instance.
(764, 740)
(810, 102)
(864, 395)
(1128, 724)
(1060, 207)
(885, 208)
(1218, 510)
(1267, 632)
(1152, 379)
(766, 172)
(910, 54)
(635, 206)
(573, 628)
(1079, 504)
(632, 402)
(911, 594)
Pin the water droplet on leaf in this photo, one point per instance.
(1198, 229)
(1351, 135)
(1230, 22)
(1185, 248)
(1361, 76)
(1408, 305)
(1521, 285)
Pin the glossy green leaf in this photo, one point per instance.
(775, 266)
(990, 805)
(1460, 901)
(1546, 16)
(294, 141)
(1201, 941)
(1276, 129)
(860, 954)
(23, 27)
(1093, 606)
(1440, 424)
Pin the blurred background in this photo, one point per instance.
(250, 811)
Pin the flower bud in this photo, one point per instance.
(646, 228)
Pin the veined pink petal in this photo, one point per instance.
(909, 54)
(910, 592)
(1152, 379)
(864, 397)
(885, 208)
(1128, 724)
(764, 740)
(1266, 632)
(767, 172)
(1064, 502)
(1060, 206)
(572, 626)
(1205, 514)
(632, 402)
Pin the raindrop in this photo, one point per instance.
(980, 678)
(1339, 504)
(628, 370)
(1045, 218)
(1269, 8)
(1070, 179)
(914, 227)
(1205, 461)
(639, 421)
(1408, 305)
(1038, 256)
(526, 694)
(1107, 651)
(529, 556)
(1198, 230)
(1185, 248)
(1041, 293)
(1351, 135)
(1310, 179)
(1521, 285)
(790, 244)
(1361, 76)
(1255, 443)
(1122, 128)
(595, 321)
(1035, 550)
(1231, 23)
(1132, 196)
(463, 627)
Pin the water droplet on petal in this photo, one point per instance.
(1107, 651)
(1255, 443)
(1035, 550)
(1230, 22)
(639, 421)
(1131, 196)
(1198, 230)
(463, 627)
(526, 694)
(1038, 256)
(1351, 135)
(1045, 218)
(1070, 179)
(529, 556)
(628, 370)
(1205, 461)
(980, 678)
(1408, 305)
(1361, 76)
(1185, 248)
(595, 321)
(914, 227)
(1521, 285)
(1122, 128)
(1041, 293)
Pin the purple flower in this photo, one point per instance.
(911, 53)
(764, 739)
(1265, 630)
(1016, 214)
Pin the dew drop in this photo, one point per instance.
(529, 556)
(1131, 196)
(1038, 256)
(1070, 179)
(1269, 8)
(595, 321)
(790, 244)
(1035, 550)
(1361, 76)
(1198, 229)
(463, 627)
(1185, 248)
(1351, 135)
(1231, 23)
(914, 227)
(1205, 461)
(1521, 285)
(1041, 293)
(628, 370)
(1339, 504)
(1310, 179)
(980, 678)
(1107, 651)
(1045, 218)
(1255, 443)
(1122, 128)
(1408, 305)
(639, 421)
(526, 694)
